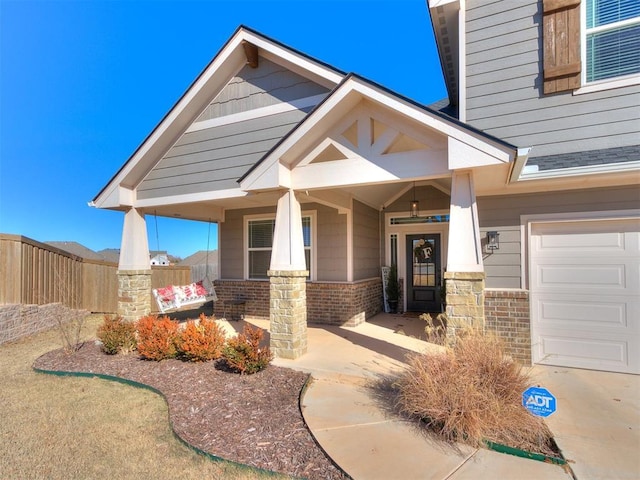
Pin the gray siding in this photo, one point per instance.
(502, 214)
(366, 242)
(332, 243)
(252, 88)
(504, 88)
(215, 158)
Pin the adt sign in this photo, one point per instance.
(539, 401)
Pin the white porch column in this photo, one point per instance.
(465, 250)
(288, 242)
(134, 268)
(465, 271)
(287, 276)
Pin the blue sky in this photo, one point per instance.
(82, 83)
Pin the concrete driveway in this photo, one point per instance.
(596, 425)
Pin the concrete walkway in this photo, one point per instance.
(597, 425)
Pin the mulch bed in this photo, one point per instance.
(254, 420)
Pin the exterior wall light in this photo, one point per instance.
(493, 241)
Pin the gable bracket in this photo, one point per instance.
(251, 52)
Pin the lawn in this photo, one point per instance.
(66, 427)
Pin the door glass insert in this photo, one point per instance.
(424, 263)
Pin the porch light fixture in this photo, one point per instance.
(415, 205)
(493, 241)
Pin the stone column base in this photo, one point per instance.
(465, 299)
(288, 313)
(134, 294)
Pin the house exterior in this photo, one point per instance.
(318, 178)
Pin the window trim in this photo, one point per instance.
(312, 214)
(608, 83)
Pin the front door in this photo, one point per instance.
(423, 273)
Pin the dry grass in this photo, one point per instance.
(472, 393)
(65, 427)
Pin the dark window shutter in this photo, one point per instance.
(561, 44)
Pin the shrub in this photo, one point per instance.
(201, 341)
(243, 353)
(117, 335)
(157, 337)
(472, 392)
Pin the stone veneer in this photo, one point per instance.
(507, 315)
(288, 313)
(134, 294)
(465, 298)
(329, 303)
(17, 320)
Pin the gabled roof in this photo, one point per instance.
(351, 91)
(228, 61)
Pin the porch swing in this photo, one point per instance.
(173, 297)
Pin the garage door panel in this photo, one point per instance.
(585, 244)
(596, 276)
(582, 313)
(594, 353)
(585, 294)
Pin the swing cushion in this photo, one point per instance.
(175, 296)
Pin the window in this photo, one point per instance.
(590, 45)
(260, 244)
(612, 39)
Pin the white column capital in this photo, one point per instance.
(288, 241)
(134, 249)
(464, 253)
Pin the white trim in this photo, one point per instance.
(257, 113)
(585, 170)
(349, 214)
(608, 84)
(312, 214)
(190, 198)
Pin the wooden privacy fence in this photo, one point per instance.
(36, 273)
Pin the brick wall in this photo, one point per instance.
(507, 314)
(17, 320)
(347, 304)
(327, 303)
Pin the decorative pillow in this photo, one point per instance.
(166, 294)
(200, 290)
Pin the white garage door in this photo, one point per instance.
(585, 294)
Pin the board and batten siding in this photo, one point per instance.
(504, 94)
(503, 266)
(366, 242)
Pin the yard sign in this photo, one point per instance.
(539, 401)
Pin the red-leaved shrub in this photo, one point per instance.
(201, 341)
(157, 337)
(243, 353)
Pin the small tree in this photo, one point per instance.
(393, 288)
